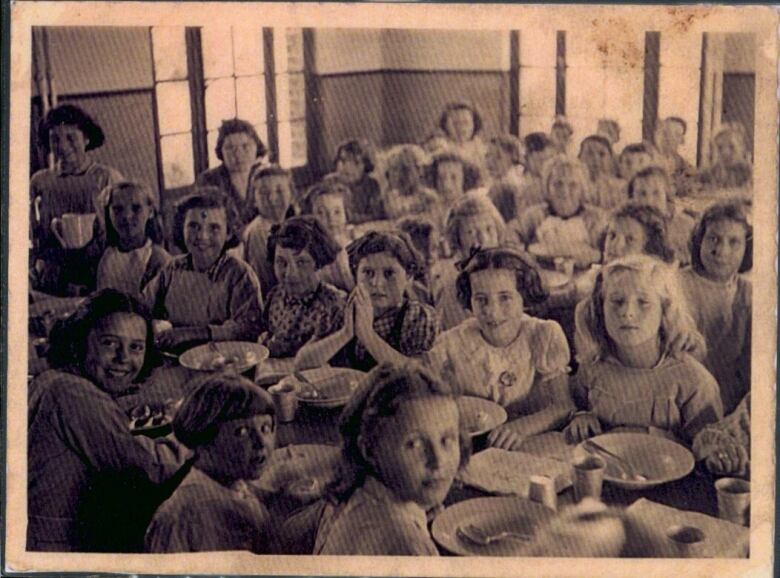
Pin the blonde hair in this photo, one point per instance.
(736, 132)
(562, 161)
(592, 341)
(471, 205)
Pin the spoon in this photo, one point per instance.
(628, 469)
(478, 536)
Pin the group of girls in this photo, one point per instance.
(444, 301)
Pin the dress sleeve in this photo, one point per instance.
(550, 350)
(699, 400)
(245, 308)
(526, 223)
(393, 536)
(153, 295)
(419, 331)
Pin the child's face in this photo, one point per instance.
(384, 278)
(116, 349)
(565, 190)
(560, 136)
(296, 270)
(653, 191)
(625, 236)
(69, 145)
(675, 134)
(418, 450)
(498, 161)
(239, 152)
(723, 248)
(460, 125)
(205, 234)
(403, 174)
(632, 163)
(130, 211)
(632, 309)
(242, 447)
(596, 157)
(329, 210)
(536, 159)
(496, 303)
(272, 196)
(729, 149)
(449, 179)
(350, 167)
(478, 231)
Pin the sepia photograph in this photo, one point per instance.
(412, 290)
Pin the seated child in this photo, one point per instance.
(609, 129)
(731, 167)
(403, 445)
(273, 191)
(669, 137)
(354, 164)
(462, 124)
(632, 374)
(604, 189)
(382, 321)
(652, 186)
(301, 306)
(504, 163)
(633, 158)
(473, 222)
(538, 150)
(503, 354)
(451, 176)
(436, 142)
(561, 134)
(720, 299)
(406, 194)
(228, 423)
(564, 225)
(206, 294)
(326, 201)
(725, 446)
(134, 253)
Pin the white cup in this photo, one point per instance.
(73, 230)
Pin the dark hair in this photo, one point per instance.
(599, 139)
(68, 114)
(331, 184)
(528, 282)
(304, 232)
(563, 123)
(68, 338)
(732, 211)
(221, 398)
(646, 173)
(378, 397)
(237, 126)
(360, 149)
(399, 245)
(536, 142)
(511, 145)
(154, 228)
(470, 172)
(636, 148)
(679, 121)
(205, 198)
(452, 107)
(419, 230)
(654, 225)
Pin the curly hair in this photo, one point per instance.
(68, 114)
(470, 172)
(561, 161)
(331, 184)
(219, 399)
(68, 338)
(599, 139)
(460, 105)
(653, 223)
(648, 172)
(732, 211)
(420, 230)
(238, 126)
(528, 282)
(536, 142)
(471, 206)
(154, 227)
(378, 398)
(397, 244)
(303, 233)
(359, 149)
(592, 341)
(205, 198)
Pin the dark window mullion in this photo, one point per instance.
(650, 92)
(270, 95)
(560, 73)
(197, 83)
(514, 82)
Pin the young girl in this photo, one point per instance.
(631, 372)
(561, 134)
(720, 299)
(228, 423)
(633, 158)
(301, 306)
(407, 195)
(327, 202)
(604, 189)
(382, 322)
(462, 124)
(564, 225)
(652, 186)
(272, 188)
(473, 222)
(206, 294)
(403, 445)
(134, 236)
(731, 167)
(504, 164)
(501, 353)
(451, 176)
(354, 165)
(538, 149)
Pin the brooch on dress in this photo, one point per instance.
(507, 378)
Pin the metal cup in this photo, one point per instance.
(686, 541)
(588, 477)
(734, 500)
(285, 401)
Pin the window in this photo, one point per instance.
(290, 96)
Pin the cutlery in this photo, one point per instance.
(622, 463)
(317, 394)
(478, 536)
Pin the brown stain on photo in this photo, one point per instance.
(614, 39)
(684, 18)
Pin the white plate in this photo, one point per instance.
(235, 356)
(480, 415)
(583, 257)
(335, 385)
(55, 307)
(504, 472)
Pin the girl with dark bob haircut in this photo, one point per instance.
(654, 225)
(303, 233)
(358, 149)
(228, 423)
(722, 212)
(451, 107)
(398, 244)
(71, 115)
(235, 126)
(204, 198)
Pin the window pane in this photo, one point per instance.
(537, 92)
(173, 107)
(288, 50)
(178, 166)
(585, 92)
(282, 96)
(262, 132)
(170, 53)
(292, 144)
(529, 124)
(248, 51)
(217, 45)
(250, 98)
(220, 101)
(211, 138)
(296, 89)
(538, 47)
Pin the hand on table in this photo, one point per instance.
(582, 427)
(506, 437)
(728, 459)
(171, 338)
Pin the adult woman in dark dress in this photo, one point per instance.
(90, 481)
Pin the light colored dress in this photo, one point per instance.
(255, 242)
(130, 271)
(203, 515)
(538, 224)
(506, 375)
(374, 522)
